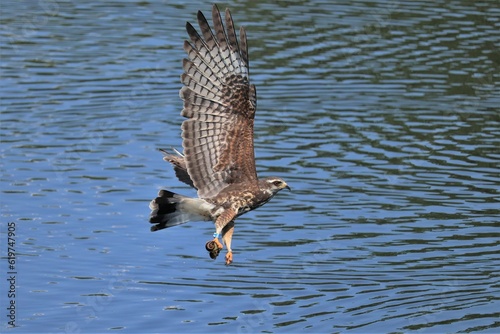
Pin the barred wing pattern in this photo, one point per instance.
(220, 104)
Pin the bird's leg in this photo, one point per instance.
(227, 236)
(214, 246)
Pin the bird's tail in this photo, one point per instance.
(171, 209)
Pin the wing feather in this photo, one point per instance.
(236, 54)
(191, 71)
(177, 161)
(209, 47)
(224, 51)
(219, 103)
(244, 46)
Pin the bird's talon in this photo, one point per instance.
(217, 242)
(213, 247)
(229, 258)
(213, 244)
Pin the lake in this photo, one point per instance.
(382, 116)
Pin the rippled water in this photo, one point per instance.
(382, 116)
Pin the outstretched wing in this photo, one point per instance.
(219, 103)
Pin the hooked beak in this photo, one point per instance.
(288, 187)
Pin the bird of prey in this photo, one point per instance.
(217, 136)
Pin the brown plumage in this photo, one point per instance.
(218, 159)
(220, 104)
(179, 164)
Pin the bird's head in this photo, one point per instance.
(275, 184)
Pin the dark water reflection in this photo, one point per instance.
(382, 116)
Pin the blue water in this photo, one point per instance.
(382, 117)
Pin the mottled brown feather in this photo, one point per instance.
(219, 103)
(179, 164)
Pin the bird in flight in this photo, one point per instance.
(217, 136)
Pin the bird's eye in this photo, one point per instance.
(276, 183)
